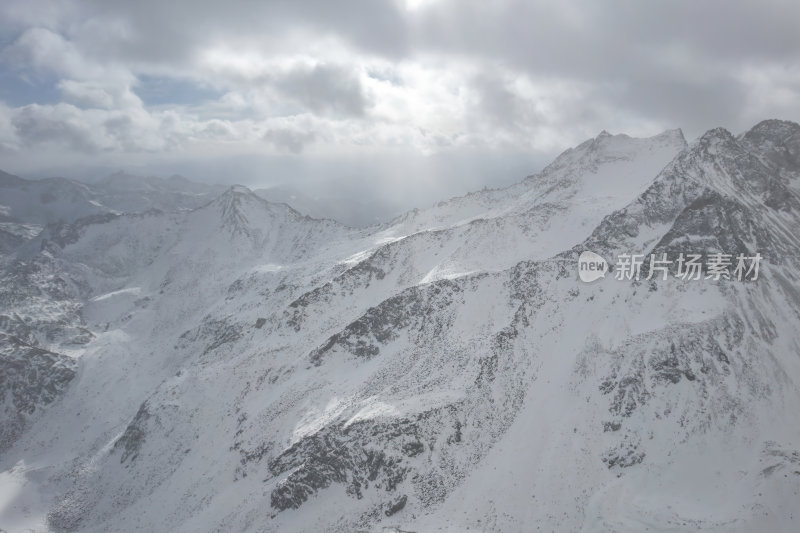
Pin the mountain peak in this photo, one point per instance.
(776, 143)
(717, 134)
(235, 194)
(238, 189)
(773, 132)
(774, 127)
(673, 135)
(241, 210)
(609, 148)
(714, 139)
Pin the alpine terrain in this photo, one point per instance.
(231, 365)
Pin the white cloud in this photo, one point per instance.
(86, 94)
(40, 50)
(9, 142)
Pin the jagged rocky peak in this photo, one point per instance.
(777, 142)
(714, 139)
(235, 194)
(243, 212)
(722, 162)
(620, 140)
(234, 205)
(754, 165)
(235, 190)
(775, 129)
(769, 143)
(673, 136)
(607, 148)
(727, 157)
(710, 188)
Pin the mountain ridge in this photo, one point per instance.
(247, 368)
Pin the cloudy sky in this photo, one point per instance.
(441, 94)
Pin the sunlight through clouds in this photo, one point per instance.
(111, 83)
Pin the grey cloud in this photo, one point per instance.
(292, 140)
(42, 50)
(170, 32)
(89, 132)
(501, 106)
(625, 46)
(122, 128)
(60, 125)
(89, 95)
(217, 129)
(593, 39)
(324, 89)
(629, 47)
(344, 74)
(683, 103)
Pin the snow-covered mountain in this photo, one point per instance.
(27, 205)
(242, 367)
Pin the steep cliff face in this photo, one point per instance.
(246, 368)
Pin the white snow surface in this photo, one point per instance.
(252, 369)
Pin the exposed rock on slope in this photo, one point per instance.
(251, 369)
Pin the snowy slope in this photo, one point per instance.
(494, 230)
(241, 367)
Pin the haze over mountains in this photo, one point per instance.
(176, 357)
(41, 201)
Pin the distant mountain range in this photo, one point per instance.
(65, 200)
(27, 205)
